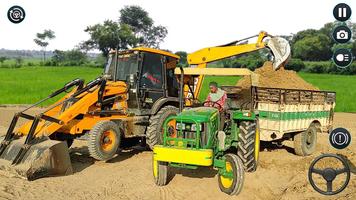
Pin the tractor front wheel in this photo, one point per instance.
(160, 172)
(232, 181)
(104, 140)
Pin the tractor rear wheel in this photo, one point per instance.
(104, 140)
(160, 172)
(305, 142)
(154, 133)
(248, 147)
(232, 185)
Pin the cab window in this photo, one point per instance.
(152, 71)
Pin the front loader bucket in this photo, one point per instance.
(46, 158)
(281, 51)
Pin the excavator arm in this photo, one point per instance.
(279, 47)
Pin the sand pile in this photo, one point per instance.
(276, 79)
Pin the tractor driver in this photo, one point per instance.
(216, 97)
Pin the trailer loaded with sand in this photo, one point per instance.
(287, 107)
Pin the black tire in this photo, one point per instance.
(305, 142)
(154, 134)
(238, 176)
(160, 172)
(102, 146)
(248, 147)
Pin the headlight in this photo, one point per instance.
(194, 127)
(180, 126)
(188, 127)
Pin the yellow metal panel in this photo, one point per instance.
(146, 49)
(211, 54)
(156, 51)
(215, 71)
(185, 156)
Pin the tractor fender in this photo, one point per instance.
(162, 102)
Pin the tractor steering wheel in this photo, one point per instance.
(212, 104)
(329, 174)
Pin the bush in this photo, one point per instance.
(295, 64)
(318, 67)
(30, 64)
(67, 58)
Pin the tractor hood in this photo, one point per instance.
(199, 114)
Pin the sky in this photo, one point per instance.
(192, 24)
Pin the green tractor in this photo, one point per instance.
(197, 136)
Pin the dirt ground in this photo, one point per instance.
(280, 175)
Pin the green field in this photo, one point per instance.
(29, 84)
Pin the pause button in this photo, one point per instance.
(342, 12)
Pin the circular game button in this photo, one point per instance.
(342, 34)
(329, 173)
(16, 14)
(342, 12)
(342, 58)
(340, 138)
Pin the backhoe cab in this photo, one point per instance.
(133, 97)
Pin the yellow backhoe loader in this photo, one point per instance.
(137, 91)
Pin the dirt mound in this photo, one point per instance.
(276, 79)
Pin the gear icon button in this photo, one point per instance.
(16, 14)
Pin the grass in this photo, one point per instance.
(29, 84)
(221, 80)
(343, 85)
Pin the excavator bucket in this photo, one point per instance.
(281, 51)
(42, 159)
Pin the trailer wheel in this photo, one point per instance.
(160, 172)
(232, 185)
(154, 133)
(104, 140)
(305, 142)
(248, 147)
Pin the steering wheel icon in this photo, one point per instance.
(329, 174)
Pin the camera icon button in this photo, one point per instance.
(342, 34)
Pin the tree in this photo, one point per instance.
(183, 58)
(18, 61)
(42, 40)
(133, 28)
(137, 18)
(143, 26)
(2, 59)
(107, 36)
(313, 48)
(73, 57)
